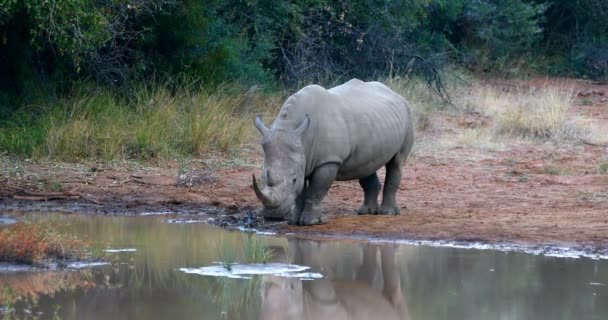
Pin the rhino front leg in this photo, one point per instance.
(319, 183)
(293, 217)
(371, 188)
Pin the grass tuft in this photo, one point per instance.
(602, 168)
(536, 114)
(552, 170)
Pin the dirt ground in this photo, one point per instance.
(522, 193)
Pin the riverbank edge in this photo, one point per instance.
(241, 222)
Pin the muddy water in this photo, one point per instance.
(155, 273)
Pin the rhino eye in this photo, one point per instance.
(294, 180)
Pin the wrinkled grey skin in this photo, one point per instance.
(345, 133)
(365, 288)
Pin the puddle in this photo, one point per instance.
(7, 221)
(184, 221)
(246, 271)
(256, 231)
(120, 250)
(175, 275)
(14, 267)
(160, 213)
(545, 250)
(85, 264)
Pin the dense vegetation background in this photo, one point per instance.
(52, 50)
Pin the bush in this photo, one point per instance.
(33, 243)
(540, 114)
(495, 33)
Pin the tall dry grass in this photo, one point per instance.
(153, 123)
(156, 123)
(534, 114)
(527, 113)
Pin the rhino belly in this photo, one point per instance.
(365, 162)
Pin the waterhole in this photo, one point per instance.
(161, 269)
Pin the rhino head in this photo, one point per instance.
(284, 168)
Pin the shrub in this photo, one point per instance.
(602, 168)
(536, 114)
(31, 243)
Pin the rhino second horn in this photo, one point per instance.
(260, 125)
(303, 126)
(266, 200)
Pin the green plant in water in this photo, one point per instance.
(235, 295)
(255, 250)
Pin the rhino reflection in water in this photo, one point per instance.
(365, 290)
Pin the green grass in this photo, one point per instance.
(587, 102)
(602, 168)
(151, 123)
(255, 250)
(553, 171)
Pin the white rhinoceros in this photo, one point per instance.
(347, 132)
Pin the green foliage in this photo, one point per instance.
(576, 38)
(48, 45)
(295, 41)
(195, 38)
(602, 168)
(553, 170)
(497, 31)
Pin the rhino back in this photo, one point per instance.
(377, 123)
(359, 125)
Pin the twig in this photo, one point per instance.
(45, 198)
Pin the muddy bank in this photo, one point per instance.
(502, 196)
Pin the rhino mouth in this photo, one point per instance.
(275, 206)
(275, 214)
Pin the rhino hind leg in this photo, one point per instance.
(393, 176)
(319, 183)
(391, 185)
(371, 188)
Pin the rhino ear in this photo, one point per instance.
(260, 125)
(303, 126)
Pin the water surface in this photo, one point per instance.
(147, 280)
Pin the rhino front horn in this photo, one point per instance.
(266, 200)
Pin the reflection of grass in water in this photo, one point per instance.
(236, 296)
(254, 250)
(25, 292)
